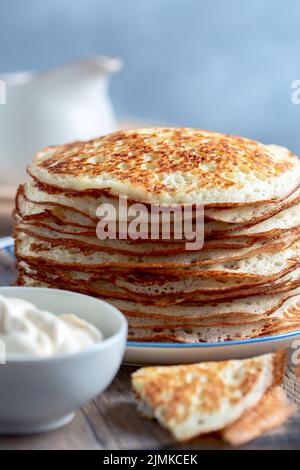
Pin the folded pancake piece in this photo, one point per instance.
(196, 399)
(271, 412)
(153, 253)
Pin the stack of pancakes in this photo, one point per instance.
(245, 280)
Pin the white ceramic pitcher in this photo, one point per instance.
(65, 104)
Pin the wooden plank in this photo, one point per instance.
(116, 420)
(77, 435)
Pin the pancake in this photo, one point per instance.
(172, 166)
(272, 411)
(283, 221)
(286, 309)
(84, 205)
(254, 306)
(157, 286)
(27, 210)
(196, 399)
(252, 213)
(145, 256)
(105, 290)
(260, 265)
(213, 334)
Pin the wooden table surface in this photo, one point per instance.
(111, 422)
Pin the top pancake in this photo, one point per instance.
(172, 166)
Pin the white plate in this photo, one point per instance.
(159, 353)
(141, 353)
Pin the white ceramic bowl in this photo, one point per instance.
(41, 394)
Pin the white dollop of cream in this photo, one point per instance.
(26, 329)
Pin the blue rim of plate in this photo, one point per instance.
(7, 243)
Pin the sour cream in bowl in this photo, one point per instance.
(26, 329)
(60, 350)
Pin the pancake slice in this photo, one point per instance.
(197, 399)
(271, 412)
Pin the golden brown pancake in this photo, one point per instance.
(196, 399)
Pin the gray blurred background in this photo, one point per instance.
(222, 65)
